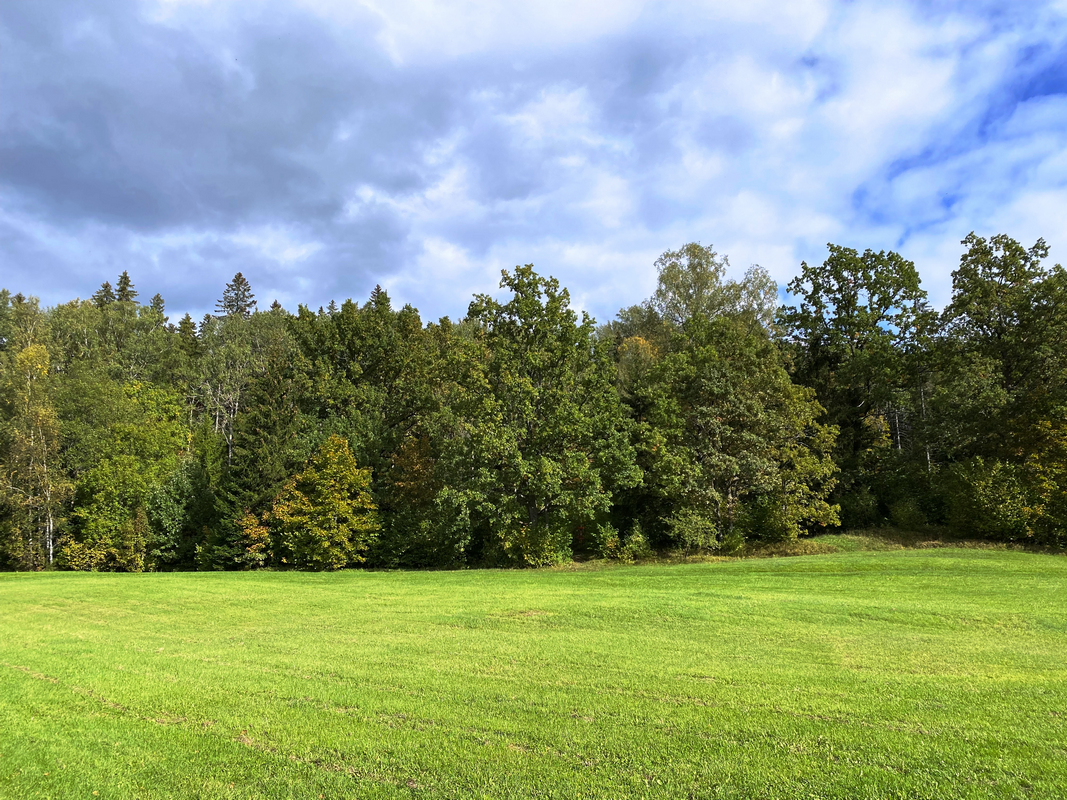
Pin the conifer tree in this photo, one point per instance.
(124, 291)
(379, 298)
(237, 298)
(104, 296)
(187, 336)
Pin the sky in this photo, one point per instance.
(322, 147)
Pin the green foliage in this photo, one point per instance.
(237, 298)
(264, 455)
(636, 546)
(858, 317)
(110, 526)
(541, 444)
(522, 436)
(720, 428)
(34, 489)
(1004, 382)
(991, 500)
(104, 296)
(375, 377)
(692, 282)
(124, 291)
(324, 518)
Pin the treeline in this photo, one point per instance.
(523, 434)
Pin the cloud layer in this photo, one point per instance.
(322, 147)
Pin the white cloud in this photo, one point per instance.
(589, 136)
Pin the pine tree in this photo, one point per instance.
(104, 296)
(237, 298)
(157, 303)
(124, 291)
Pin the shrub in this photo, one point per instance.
(991, 499)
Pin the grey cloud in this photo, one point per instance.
(167, 147)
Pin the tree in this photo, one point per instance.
(264, 449)
(1000, 405)
(110, 524)
(237, 298)
(104, 296)
(324, 518)
(34, 488)
(543, 443)
(187, 337)
(124, 291)
(850, 339)
(229, 356)
(730, 448)
(122, 442)
(693, 281)
(1003, 359)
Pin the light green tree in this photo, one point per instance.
(324, 518)
(34, 489)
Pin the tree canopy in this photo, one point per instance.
(701, 419)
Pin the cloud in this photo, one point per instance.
(322, 147)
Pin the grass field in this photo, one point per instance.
(909, 673)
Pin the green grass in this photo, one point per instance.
(906, 673)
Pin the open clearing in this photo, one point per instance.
(915, 673)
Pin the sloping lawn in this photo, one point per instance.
(911, 674)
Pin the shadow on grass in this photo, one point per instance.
(853, 541)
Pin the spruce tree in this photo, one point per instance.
(187, 336)
(379, 298)
(237, 298)
(124, 291)
(104, 296)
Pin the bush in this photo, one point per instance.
(636, 547)
(907, 515)
(991, 499)
(693, 531)
(859, 508)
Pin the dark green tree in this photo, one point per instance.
(543, 444)
(124, 291)
(104, 296)
(187, 337)
(237, 298)
(1000, 404)
(849, 338)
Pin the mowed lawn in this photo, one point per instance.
(911, 674)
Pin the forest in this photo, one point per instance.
(706, 418)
